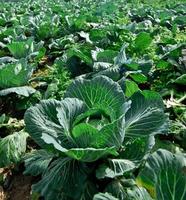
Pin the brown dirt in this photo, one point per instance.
(19, 189)
(2, 194)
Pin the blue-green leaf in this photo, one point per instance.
(164, 175)
(12, 148)
(22, 90)
(101, 92)
(146, 115)
(36, 162)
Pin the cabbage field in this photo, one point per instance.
(93, 100)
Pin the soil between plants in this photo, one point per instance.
(19, 189)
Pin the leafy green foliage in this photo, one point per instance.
(117, 167)
(142, 41)
(23, 91)
(12, 148)
(141, 110)
(24, 49)
(163, 175)
(131, 88)
(37, 162)
(15, 74)
(97, 133)
(127, 189)
(89, 125)
(104, 196)
(58, 180)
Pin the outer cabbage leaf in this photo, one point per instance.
(127, 189)
(138, 193)
(59, 179)
(146, 115)
(137, 149)
(106, 56)
(50, 122)
(37, 162)
(104, 196)
(130, 88)
(23, 91)
(142, 41)
(15, 74)
(111, 72)
(121, 57)
(20, 49)
(115, 168)
(164, 175)
(23, 49)
(101, 92)
(12, 148)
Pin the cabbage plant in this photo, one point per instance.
(14, 77)
(26, 49)
(84, 139)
